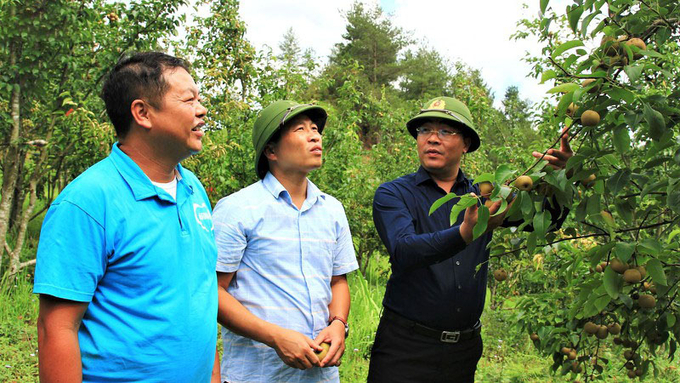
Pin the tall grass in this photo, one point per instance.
(18, 334)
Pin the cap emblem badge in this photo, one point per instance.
(438, 104)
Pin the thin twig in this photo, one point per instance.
(585, 236)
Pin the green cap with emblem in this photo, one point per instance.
(451, 110)
(272, 118)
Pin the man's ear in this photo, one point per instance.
(269, 152)
(141, 113)
(468, 142)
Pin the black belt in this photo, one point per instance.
(441, 335)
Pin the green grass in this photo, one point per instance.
(18, 334)
(509, 356)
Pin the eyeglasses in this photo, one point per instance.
(290, 110)
(443, 134)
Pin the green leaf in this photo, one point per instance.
(633, 72)
(548, 75)
(602, 302)
(544, 5)
(464, 202)
(568, 87)
(620, 94)
(593, 206)
(650, 246)
(486, 177)
(574, 14)
(482, 222)
(541, 222)
(612, 282)
(501, 209)
(531, 242)
(655, 270)
(621, 139)
(624, 251)
(566, 46)
(619, 180)
(503, 173)
(657, 125)
(438, 203)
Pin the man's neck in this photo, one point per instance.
(445, 180)
(156, 167)
(294, 183)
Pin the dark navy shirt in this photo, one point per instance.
(433, 281)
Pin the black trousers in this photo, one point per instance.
(401, 355)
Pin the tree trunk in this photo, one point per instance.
(15, 258)
(11, 165)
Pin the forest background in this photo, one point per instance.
(622, 188)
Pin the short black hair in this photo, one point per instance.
(136, 76)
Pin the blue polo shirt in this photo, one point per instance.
(144, 262)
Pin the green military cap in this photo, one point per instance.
(449, 109)
(272, 118)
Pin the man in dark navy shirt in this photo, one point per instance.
(430, 328)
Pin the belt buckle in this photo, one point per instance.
(450, 336)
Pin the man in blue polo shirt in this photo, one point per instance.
(284, 248)
(126, 259)
(430, 328)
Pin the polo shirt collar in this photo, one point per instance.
(423, 176)
(139, 182)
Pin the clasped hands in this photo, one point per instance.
(299, 351)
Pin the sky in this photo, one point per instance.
(474, 32)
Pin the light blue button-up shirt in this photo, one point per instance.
(284, 258)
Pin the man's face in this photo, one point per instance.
(441, 156)
(299, 150)
(177, 124)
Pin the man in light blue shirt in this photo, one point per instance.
(126, 258)
(284, 248)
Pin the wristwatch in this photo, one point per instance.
(344, 322)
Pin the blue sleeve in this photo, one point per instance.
(230, 236)
(344, 259)
(408, 250)
(72, 255)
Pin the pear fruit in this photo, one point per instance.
(322, 354)
(588, 181)
(500, 275)
(591, 328)
(637, 42)
(647, 301)
(614, 328)
(642, 270)
(571, 109)
(590, 118)
(534, 337)
(632, 276)
(602, 332)
(485, 188)
(585, 83)
(618, 266)
(524, 183)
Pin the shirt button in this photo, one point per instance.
(459, 287)
(458, 309)
(457, 263)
